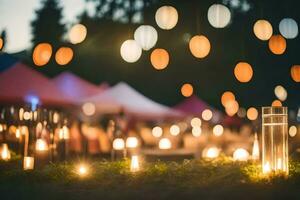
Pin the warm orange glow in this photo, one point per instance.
(277, 44)
(227, 97)
(42, 54)
(77, 33)
(199, 46)
(1, 43)
(295, 73)
(159, 59)
(64, 55)
(276, 103)
(263, 29)
(243, 72)
(187, 90)
(232, 107)
(252, 113)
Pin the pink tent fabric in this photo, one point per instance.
(20, 83)
(76, 87)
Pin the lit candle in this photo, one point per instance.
(279, 164)
(28, 163)
(5, 153)
(255, 149)
(18, 133)
(135, 165)
(267, 168)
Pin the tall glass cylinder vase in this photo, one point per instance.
(275, 140)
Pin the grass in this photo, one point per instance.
(189, 179)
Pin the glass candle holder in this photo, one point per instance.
(275, 140)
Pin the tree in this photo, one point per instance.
(47, 26)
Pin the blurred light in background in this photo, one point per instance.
(174, 130)
(199, 46)
(157, 131)
(263, 29)
(166, 17)
(288, 28)
(218, 15)
(89, 109)
(218, 130)
(252, 113)
(277, 44)
(240, 154)
(64, 55)
(159, 59)
(187, 90)
(42, 54)
(77, 33)
(164, 143)
(207, 114)
(130, 51)
(280, 92)
(243, 72)
(146, 36)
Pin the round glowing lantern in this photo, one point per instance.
(77, 33)
(277, 44)
(263, 29)
(280, 92)
(218, 15)
(252, 113)
(166, 17)
(157, 131)
(199, 46)
(243, 72)
(295, 73)
(227, 97)
(276, 103)
(207, 114)
(42, 54)
(187, 90)
(118, 144)
(130, 51)
(64, 55)
(145, 36)
(164, 143)
(288, 28)
(159, 59)
(240, 154)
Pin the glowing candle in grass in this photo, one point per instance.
(240, 154)
(5, 153)
(255, 148)
(211, 152)
(28, 163)
(82, 170)
(41, 145)
(134, 165)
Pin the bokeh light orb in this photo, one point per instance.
(130, 51)
(240, 154)
(263, 29)
(89, 109)
(226, 97)
(276, 103)
(132, 142)
(146, 36)
(164, 143)
(64, 55)
(218, 15)
(77, 33)
(288, 28)
(252, 113)
(42, 54)
(157, 131)
(207, 114)
(187, 90)
(166, 17)
(174, 130)
(243, 72)
(41, 145)
(242, 112)
(196, 131)
(232, 107)
(293, 131)
(277, 44)
(280, 92)
(118, 144)
(211, 152)
(218, 130)
(295, 73)
(196, 122)
(199, 46)
(159, 59)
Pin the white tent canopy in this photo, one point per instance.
(132, 102)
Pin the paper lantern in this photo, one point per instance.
(277, 44)
(5, 153)
(28, 163)
(164, 143)
(218, 15)
(252, 113)
(157, 131)
(77, 33)
(255, 148)
(275, 140)
(295, 73)
(174, 130)
(218, 130)
(118, 144)
(41, 145)
(207, 114)
(159, 59)
(146, 36)
(276, 103)
(89, 109)
(196, 122)
(196, 131)
(243, 72)
(166, 17)
(280, 92)
(132, 142)
(211, 152)
(199, 46)
(263, 29)
(187, 90)
(227, 97)
(42, 54)
(134, 165)
(130, 51)
(240, 154)
(293, 131)
(288, 28)
(64, 55)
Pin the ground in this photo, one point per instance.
(188, 179)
